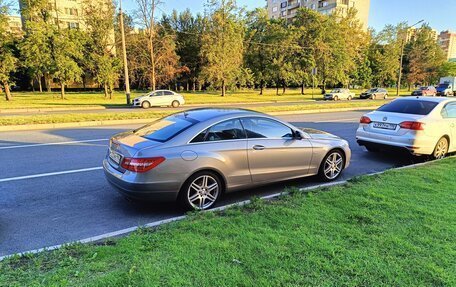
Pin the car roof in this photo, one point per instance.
(429, 99)
(205, 114)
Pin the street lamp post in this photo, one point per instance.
(399, 74)
(124, 50)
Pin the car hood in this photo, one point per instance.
(317, 134)
(140, 97)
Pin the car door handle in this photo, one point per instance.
(258, 147)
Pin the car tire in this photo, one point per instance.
(373, 97)
(441, 148)
(332, 165)
(201, 191)
(145, 105)
(175, 104)
(349, 98)
(385, 97)
(336, 98)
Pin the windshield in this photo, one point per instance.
(372, 90)
(444, 86)
(423, 88)
(167, 128)
(335, 91)
(409, 107)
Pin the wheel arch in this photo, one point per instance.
(210, 169)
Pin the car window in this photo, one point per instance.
(156, 94)
(166, 128)
(228, 130)
(449, 111)
(414, 107)
(265, 128)
(168, 93)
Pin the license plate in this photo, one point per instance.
(385, 126)
(115, 157)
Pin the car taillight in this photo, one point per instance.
(141, 165)
(365, 120)
(416, 126)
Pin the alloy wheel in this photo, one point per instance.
(333, 165)
(441, 149)
(203, 192)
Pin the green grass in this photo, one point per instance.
(149, 114)
(396, 229)
(52, 100)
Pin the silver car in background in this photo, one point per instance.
(196, 155)
(420, 125)
(159, 98)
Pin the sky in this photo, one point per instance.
(440, 14)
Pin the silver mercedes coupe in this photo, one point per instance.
(196, 155)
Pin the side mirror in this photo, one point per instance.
(297, 135)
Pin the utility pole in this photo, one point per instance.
(124, 50)
(399, 74)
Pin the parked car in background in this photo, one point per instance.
(425, 91)
(159, 98)
(339, 94)
(420, 125)
(446, 87)
(196, 155)
(375, 93)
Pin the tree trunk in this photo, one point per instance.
(194, 86)
(7, 91)
(284, 87)
(111, 88)
(302, 89)
(261, 87)
(62, 91)
(40, 85)
(105, 86)
(48, 80)
(277, 89)
(188, 85)
(32, 83)
(223, 88)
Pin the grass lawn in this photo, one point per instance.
(52, 100)
(396, 229)
(75, 117)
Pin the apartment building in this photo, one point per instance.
(15, 25)
(447, 40)
(411, 33)
(288, 8)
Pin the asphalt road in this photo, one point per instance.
(52, 189)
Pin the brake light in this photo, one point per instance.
(416, 126)
(365, 120)
(141, 165)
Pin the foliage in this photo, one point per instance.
(8, 61)
(448, 69)
(222, 48)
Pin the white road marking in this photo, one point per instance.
(50, 144)
(49, 174)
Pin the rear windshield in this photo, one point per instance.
(409, 107)
(167, 128)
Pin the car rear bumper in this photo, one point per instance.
(153, 191)
(422, 146)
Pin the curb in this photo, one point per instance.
(129, 230)
(145, 121)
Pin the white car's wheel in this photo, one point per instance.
(175, 104)
(145, 105)
(349, 98)
(336, 98)
(441, 149)
(385, 97)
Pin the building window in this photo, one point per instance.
(283, 5)
(274, 9)
(73, 25)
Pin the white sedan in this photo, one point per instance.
(421, 125)
(339, 94)
(159, 98)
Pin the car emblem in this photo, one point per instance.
(385, 119)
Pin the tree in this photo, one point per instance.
(8, 61)
(448, 69)
(100, 47)
(258, 47)
(223, 47)
(67, 52)
(425, 58)
(147, 9)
